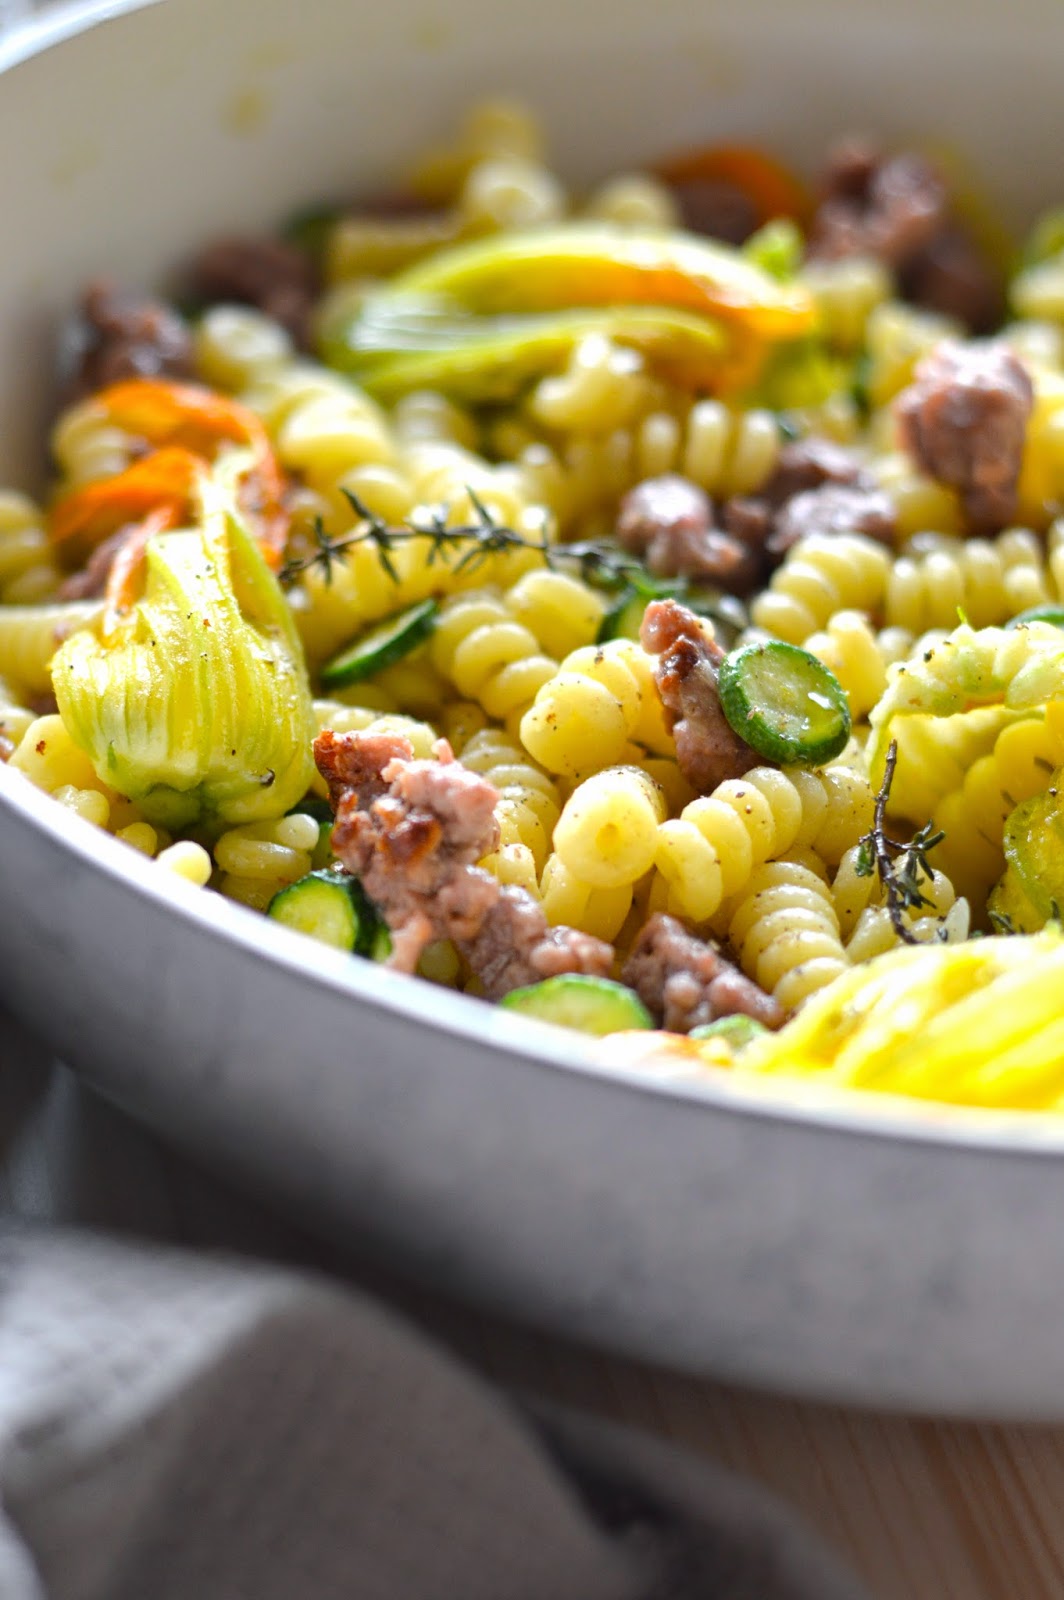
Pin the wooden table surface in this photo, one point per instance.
(923, 1510)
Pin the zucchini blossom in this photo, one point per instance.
(196, 704)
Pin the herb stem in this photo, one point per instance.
(899, 867)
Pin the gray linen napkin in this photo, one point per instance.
(179, 1425)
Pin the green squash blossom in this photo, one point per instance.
(198, 706)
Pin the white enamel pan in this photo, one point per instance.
(852, 1248)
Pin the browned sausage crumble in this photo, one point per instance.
(685, 982)
(708, 749)
(964, 421)
(278, 278)
(412, 832)
(118, 334)
(896, 208)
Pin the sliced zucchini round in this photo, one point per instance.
(624, 617)
(1047, 613)
(329, 905)
(737, 1030)
(385, 644)
(575, 1000)
(785, 703)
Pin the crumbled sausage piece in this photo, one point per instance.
(896, 209)
(964, 421)
(669, 522)
(686, 982)
(749, 519)
(760, 521)
(951, 276)
(121, 334)
(834, 508)
(514, 946)
(91, 581)
(411, 832)
(708, 750)
(888, 208)
(809, 464)
(850, 167)
(276, 277)
(355, 767)
(714, 208)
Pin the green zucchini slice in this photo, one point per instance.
(1046, 613)
(624, 617)
(737, 1030)
(329, 905)
(397, 636)
(575, 1000)
(787, 705)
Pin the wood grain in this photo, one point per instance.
(922, 1510)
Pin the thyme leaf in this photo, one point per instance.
(901, 868)
(463, 548)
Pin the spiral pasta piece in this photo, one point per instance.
(508, 193)
(425, 416)
(634, 200)
(87, 444)
(1041, 486)
(332, 609)
(708, 853)
(645, 430)
(571, 902)
(857, 656)
(445, 474)
(323, 427)
(846, 293)
(15, 718)
(47, 755)
(785, 933)
(31, 635)
(497, 127)
(563, 613)
(822, 575)
(599, 709)
(257, 860)
(28, 572)
(921, 504)
(235, 346)
(526, 811)
(607, 832)
(338, 439)
(602, 387)
(727, 451)
(897, 336)
(865, 923)
(1025, 755)
(982, 581)
(489, 657)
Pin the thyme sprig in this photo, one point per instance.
(901, 867)
(464, 548)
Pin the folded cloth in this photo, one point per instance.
(179, 1425)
